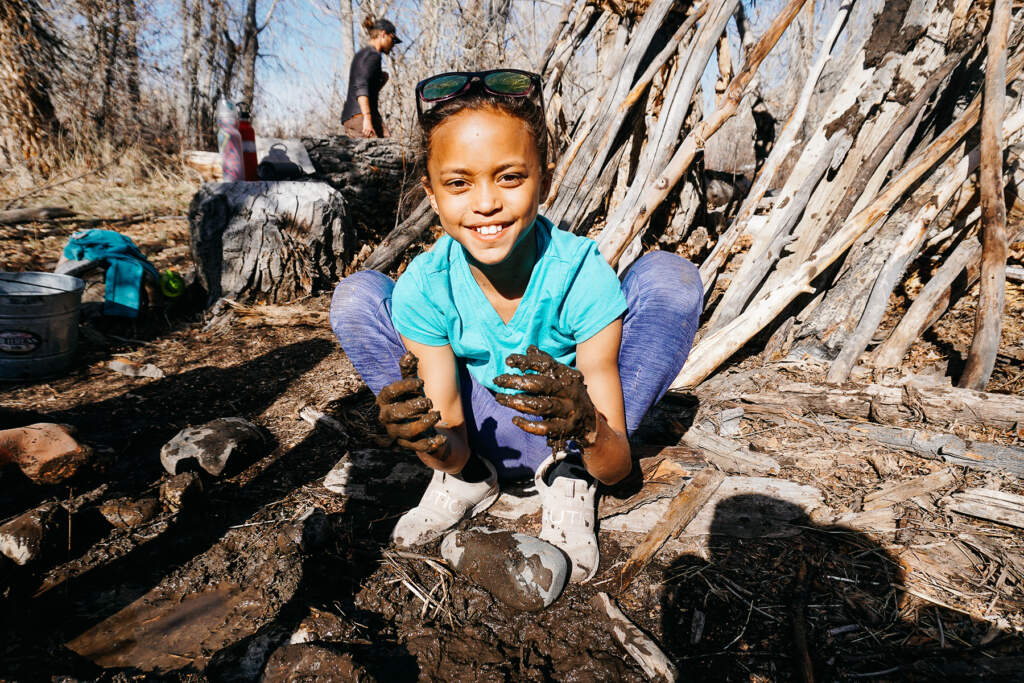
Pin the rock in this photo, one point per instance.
(522, 571)
(125, 513)
(213, 446)
(309, 662)
(183, 492)
(26, 537)
(46, 453)
(319, 626)
(133, 369)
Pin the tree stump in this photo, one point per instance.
(269, 242)
(375, 176)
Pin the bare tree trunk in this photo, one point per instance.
(250, 50)
(131, 54)
(192, 15)
(348, 36)
(988, 320)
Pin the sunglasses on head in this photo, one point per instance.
(448, 86)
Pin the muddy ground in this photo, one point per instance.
(217, 592)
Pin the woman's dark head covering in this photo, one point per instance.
(387, 27)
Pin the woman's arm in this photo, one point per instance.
(608, 459)
(440, 378)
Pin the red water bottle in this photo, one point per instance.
(245, 129)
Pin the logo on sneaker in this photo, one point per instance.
(565, 517)
(447, 502)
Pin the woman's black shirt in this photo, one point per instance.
(365, 78)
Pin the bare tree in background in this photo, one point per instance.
(27, 47)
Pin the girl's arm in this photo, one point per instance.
(438, 371)
(608, 460)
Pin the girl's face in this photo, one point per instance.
(485, 181)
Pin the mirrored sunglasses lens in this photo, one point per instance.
(443, 86)
(508, 82)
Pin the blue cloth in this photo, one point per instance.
(126, 266)
(663, 292)
(572, 295)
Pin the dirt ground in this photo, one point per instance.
(217, 592)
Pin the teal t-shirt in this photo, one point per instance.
(572, 295)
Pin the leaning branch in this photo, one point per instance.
(613, 247)
(988, 321)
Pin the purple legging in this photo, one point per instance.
(664, 295)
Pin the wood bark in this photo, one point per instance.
(988, 320)
(371, 174)
(269, 242)
(626, 226)
(716, 347)
(912, 401)
(785, 143)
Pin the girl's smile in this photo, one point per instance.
(485, 181)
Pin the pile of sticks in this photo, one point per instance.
(894, 168)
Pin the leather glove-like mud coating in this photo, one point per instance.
(554, 392)
(407, 414)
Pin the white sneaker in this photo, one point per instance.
(446, 501)
(568, 518)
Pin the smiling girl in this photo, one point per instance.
(504, 288)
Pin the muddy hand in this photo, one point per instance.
(407, 414)
(554, 392)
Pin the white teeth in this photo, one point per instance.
(489, 230)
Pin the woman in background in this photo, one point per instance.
(361, 115)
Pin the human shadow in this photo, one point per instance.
(378, 485)
(781, 597)
(139, 422)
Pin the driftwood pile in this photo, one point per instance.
(902, 145)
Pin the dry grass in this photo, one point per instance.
(100, 181)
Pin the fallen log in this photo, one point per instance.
(949, 448)
(913, 400)
(40, 213)
(683, 508)
(899, 491)
(727, 454)
(371, 174)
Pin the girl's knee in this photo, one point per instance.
(666, 280)
(359, 298)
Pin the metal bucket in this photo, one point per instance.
(38, 324)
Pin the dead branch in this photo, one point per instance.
(683, 508)
(988, 320)
(620, 233)
(787, 139)
(718, 346)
